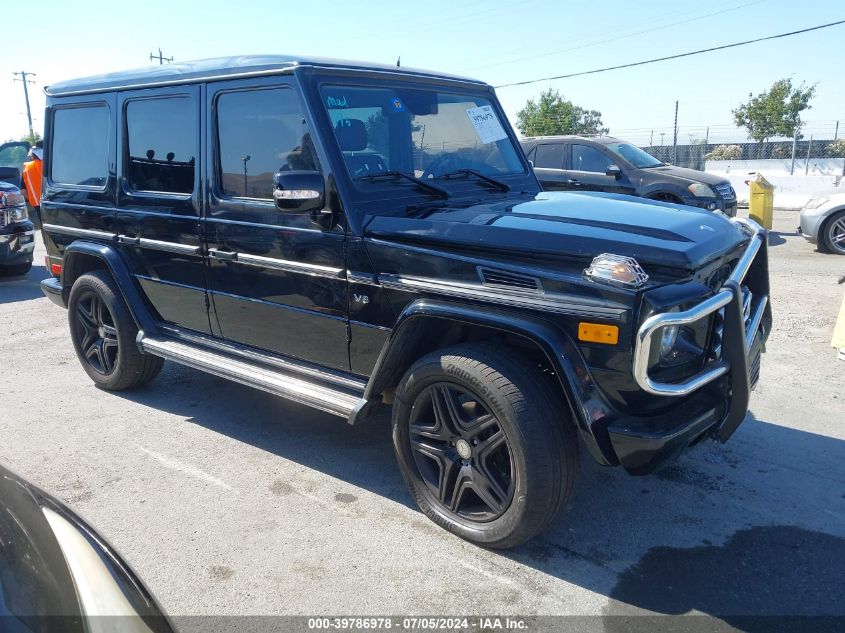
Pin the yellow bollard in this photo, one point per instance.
(761, 201)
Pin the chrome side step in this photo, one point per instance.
(326, 398)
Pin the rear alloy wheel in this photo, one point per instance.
(834, 234)
(485, 444)
(103, 334)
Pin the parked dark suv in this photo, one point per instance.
(352, 236)
(577, 163)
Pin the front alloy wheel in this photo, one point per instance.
(485, 443)
(461, 452)
(834, 236)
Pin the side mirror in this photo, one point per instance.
(613, 170)
(299, 191)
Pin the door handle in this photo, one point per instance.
(224, 255)
(572, 181)
(130, 241)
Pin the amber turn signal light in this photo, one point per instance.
(598, 333)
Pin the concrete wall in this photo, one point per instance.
(791, 191)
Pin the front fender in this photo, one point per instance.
(74, 265)
(423, 318)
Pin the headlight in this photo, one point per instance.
(16, 214)
(701, 190)
(668, 337)
(815, 203)
(616, 270)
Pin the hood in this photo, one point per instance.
(574, 225)
(687, 175)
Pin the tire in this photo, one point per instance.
(833, 234)
(16, 269)
(485, 444)
(103, 334)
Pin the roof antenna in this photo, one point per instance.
(398, 61)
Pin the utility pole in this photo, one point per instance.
(651, 139)
(23, 79)
(662, 134)
(794, 149)
(161, 58)
(675, 143)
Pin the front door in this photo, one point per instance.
(276, 280)
(158, 216)
(587, 171)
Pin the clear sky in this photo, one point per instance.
(498, 41)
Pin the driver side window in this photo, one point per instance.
(586, 158)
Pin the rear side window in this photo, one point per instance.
(259, 133)
(585, 158)
(549, 156)
(161, 144)
(80, 146)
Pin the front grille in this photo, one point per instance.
(725, 191)
(719, 324)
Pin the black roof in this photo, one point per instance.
(221, 68)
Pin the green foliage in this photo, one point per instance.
(552, 115)
(724, 152)
(776, 112)
(31, 138)
(836, 149)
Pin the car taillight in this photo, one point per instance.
(55, 269)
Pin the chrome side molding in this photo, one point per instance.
(253, 374)
(546, 302)
(291, 266)
(75, 232)
(158, 245)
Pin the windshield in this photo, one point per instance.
(634, 155)
(421, 132)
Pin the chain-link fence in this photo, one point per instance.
(697, 144)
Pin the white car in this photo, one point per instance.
(822, 222)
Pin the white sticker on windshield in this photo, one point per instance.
(486, 124)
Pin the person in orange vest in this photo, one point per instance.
(32, 173)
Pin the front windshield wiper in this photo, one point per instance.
(501, 186)
(382, 175)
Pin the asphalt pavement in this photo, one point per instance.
(227, 500)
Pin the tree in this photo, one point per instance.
(553, 115)
(776, 112)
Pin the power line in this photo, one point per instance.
(668, 57)
(614, 39)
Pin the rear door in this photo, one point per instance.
(548, 166)
(587, 170)
(158, 216)
(276, 280)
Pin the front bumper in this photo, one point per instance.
(715, 400)
(17, 247)
(726, 206)
(810, 221)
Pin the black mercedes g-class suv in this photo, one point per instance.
(350, 236)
